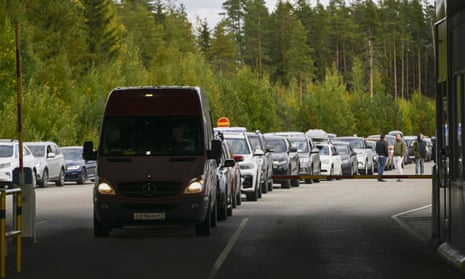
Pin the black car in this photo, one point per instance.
(285, 160)
(349, 163)
(78, 169)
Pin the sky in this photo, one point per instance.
(211, 9)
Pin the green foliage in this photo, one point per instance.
(295, 68)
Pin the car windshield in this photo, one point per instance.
(255, 142)
(300, 144)
(356, 143)
(238, 146)
(278, 145)
(6, 151)
(324, 149)
(341, 149)
(72, 154)
(37, 150)
(151, 136)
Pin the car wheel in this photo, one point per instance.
(252, 196)
(310, 181)
(214, 217)
(270, 185)
(264, 187)
(99, 229)
(331, 172)
(61, 178)
(44, 181)
(234, 201)
(238, 198)
(258, 189)
(204, 228)
(295, 182)
(82, 177)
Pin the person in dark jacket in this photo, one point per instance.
(419, 151)
(382, 151)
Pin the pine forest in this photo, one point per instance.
(364, 67)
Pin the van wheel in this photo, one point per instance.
(286, 184)
(295, 182)
(270, 185)
(99, 230)
(204, 228)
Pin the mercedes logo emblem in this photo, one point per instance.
(149, 189)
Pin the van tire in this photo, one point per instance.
(204, 228)
(238, 199)
(214, 217)
(82, 177)
(99, 229)
(223, 211)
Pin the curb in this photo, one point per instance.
(452, 255)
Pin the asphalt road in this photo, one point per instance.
(332, 229)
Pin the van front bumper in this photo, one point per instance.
(185, 211)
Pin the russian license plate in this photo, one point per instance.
(149, 216)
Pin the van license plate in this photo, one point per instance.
(149, 216)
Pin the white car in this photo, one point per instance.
(331, 163)
(250, 166)
(9, 160)
(50, 162)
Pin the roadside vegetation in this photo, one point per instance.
(363, 68)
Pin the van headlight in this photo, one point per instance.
(105, 189)
(194, 187)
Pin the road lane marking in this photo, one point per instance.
(219, 261)
(405, 226)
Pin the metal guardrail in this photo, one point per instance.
(330, 177)
(14, 233)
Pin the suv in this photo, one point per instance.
(50, 162)
(239, 144)
(257, 140)
(9, 160)
(364, 153)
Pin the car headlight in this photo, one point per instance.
(5, 165)
(105, 189)
(194, 187)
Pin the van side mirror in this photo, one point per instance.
(215, 151)
(88, 152)
(293, 149)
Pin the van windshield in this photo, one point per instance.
(151, 136)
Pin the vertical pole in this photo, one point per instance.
(20, 124)
(2, 234)
(19, 222)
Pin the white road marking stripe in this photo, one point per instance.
(404, 225)
(219, 261)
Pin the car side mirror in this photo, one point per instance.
(229, 163)
(293, 149)
(259, 152)
(269, 148)
(51, 155)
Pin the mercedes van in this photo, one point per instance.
(156, 160)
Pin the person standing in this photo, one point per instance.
(399, 153)
(382, 151)
(419, 151)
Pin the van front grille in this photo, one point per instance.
(151, 189)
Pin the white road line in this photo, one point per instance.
(404, 225)
(219, 261)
